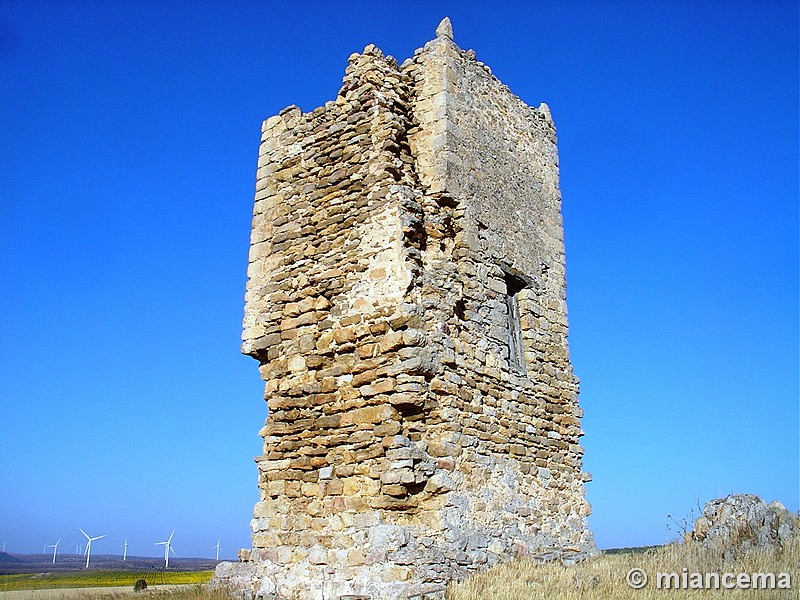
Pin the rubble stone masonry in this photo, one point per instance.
(406, 303)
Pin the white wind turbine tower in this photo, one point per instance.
(217, 549)
(125, 550)
(167, 547)
(89, 544)
(55, 549)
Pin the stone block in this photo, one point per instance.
(381, 386)
(368, 414)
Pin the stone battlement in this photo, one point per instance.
(406, 303)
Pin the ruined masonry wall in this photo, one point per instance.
(403, 448)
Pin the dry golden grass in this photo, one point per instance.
(604, 576)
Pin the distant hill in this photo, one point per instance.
(5, 557)
(39, 563)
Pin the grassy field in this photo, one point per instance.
(91, 579)
(601, 577)
(604, 576)
(183, 592)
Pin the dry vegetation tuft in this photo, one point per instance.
(604, 576)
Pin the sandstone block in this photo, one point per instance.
(381, 386)
(368, 414)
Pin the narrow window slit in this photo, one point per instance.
(516, 353)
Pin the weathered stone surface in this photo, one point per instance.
(236, 577)
(406, 303)
(741, 522)
(445, 28)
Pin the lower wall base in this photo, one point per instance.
(492, 513)
(265, 580)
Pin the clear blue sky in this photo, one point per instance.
(128, 142)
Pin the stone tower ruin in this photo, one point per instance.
(406, 304)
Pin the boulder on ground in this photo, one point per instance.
(741, 522)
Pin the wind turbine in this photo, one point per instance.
(55, 549)
(217, 548)
(167, 547)
(125, 550)
(88, 551)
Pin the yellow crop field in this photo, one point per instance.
(80, 579)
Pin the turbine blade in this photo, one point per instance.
(170, 536)
(84, 533)
(171, 549)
